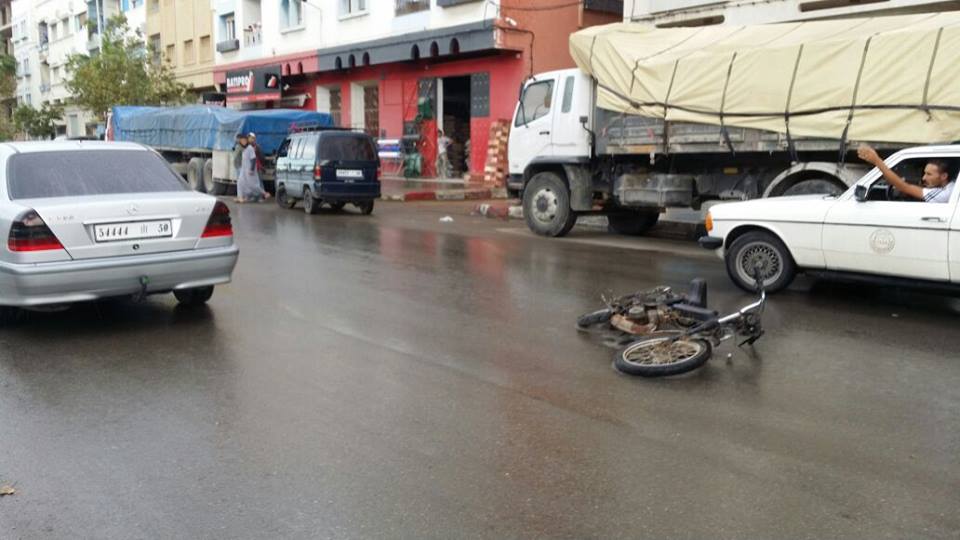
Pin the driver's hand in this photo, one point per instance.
(868, 154)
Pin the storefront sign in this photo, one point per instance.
(257, 84)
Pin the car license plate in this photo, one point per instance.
(349, 173)
(112, 232)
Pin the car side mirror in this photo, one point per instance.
(860, 193)
(584, 120)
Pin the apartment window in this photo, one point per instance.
(65, 26)
(81, 22)
(411, 6)
(42, 37)
(291, 13)
(154, 6)
(188, 55)
(56, 74)
(206, 53)
(53, 32)
(228, 27)
(352, 7)
(26, 67)
(155, 48)
(171, 53)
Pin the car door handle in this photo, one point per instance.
(934, 219)
(544, 132)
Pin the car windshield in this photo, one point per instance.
(347, 147)
(70, 173)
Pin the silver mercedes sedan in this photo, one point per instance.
(89, 220)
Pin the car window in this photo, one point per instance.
(910, 170)
(94, 172)
(535, 103)
(309, 151)
(347, 147)
(295, 146)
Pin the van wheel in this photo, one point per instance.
(546, 205)
(195, 174)
(310, 204)
(366, 207)
(760, 250)
(209, 185)
(283, 200)
(633, 223)
(194, 297)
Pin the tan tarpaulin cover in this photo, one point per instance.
(753, 75)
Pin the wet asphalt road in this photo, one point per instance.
(396, 377)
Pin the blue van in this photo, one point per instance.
(328, 166)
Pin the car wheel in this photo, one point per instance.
(194, 297)
(310, 204)
(546, 205)
(8, 315)
(764, 252)
(366, 207)
(633, 223)
(337, 205)
(283, 200)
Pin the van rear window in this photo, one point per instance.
(70, 173)
(347, 147)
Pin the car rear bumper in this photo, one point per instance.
(348, 192)
(84, 280)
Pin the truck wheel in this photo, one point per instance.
(763, 251)
(310, 204)
(633, 223)
(546, 205)
(195, 174)
(219, 188)
(209, 185)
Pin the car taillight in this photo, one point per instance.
(30, 233)
(316, 172)
(219, 223)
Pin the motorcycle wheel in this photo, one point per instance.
(657, 356)
(594, 317)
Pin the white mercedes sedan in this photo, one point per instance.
(88, 220)
(872, 233)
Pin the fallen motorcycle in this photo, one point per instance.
(652, 310)
(674, 352)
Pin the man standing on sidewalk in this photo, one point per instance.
(443, 162)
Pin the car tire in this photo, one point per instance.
(283, 200)
(366, 207)
(8, 315)
(311, 205)
(633, 223)
(766, 250)
(546, 205)
(195, 174)
(194, 297)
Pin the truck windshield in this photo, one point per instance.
(70, 173)
(535, 102)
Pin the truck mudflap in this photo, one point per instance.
(655, 190)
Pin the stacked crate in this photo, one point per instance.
(495, 170)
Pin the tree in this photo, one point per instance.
(122, 72)
(8, 89)
(38, 123)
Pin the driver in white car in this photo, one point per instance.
(937, 186)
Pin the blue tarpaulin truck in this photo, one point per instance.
(198, 141)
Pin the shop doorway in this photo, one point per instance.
(454, 117)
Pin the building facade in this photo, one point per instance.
(181, 31)
(397, 67)
(674, 13)
(45, 33)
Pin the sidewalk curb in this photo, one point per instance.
(449, 195)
